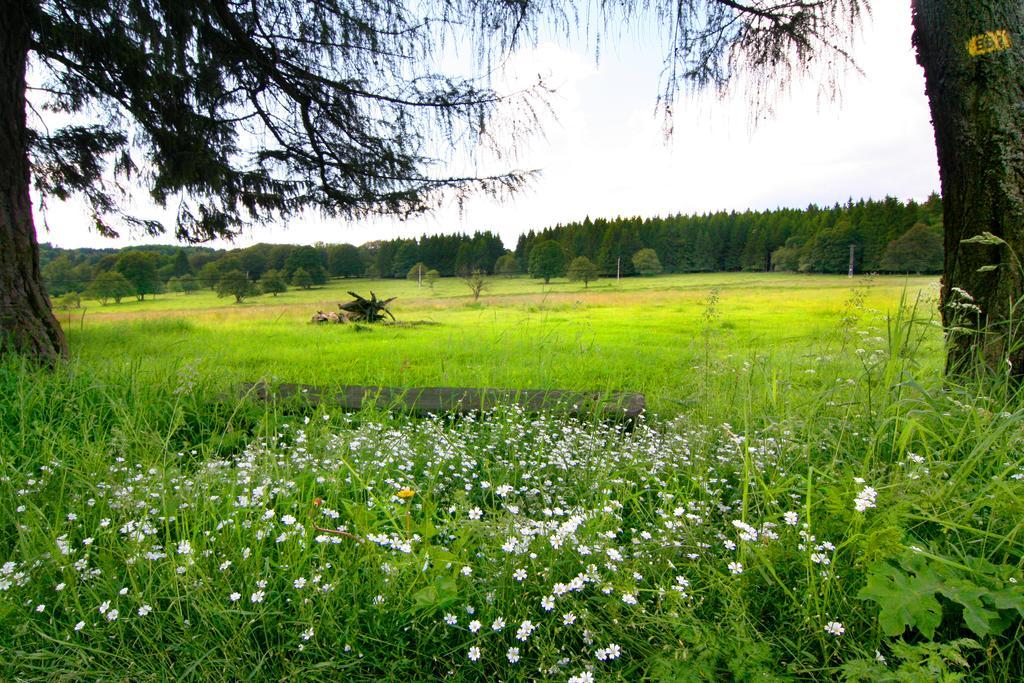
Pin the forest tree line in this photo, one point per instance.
(887, 236)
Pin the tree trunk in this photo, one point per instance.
(972, 52)
(27, 324)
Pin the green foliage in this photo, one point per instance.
(68, 301)
(109, 285)
(235, 283)
(431, 277)
(60, 277)
(582, 270)
(918, 250)
(343, 260)
(829, 250)
(507, 264)
(749, 240)
(907, 595)
(916, 663)
(273, 282)
(417, 273)
(547, 260)
(209, 274)
(477, 282)
(308, 259)
(181, 265)
(787, 257)
(140, 269)
(646, 262)
(302, 278)
(186, 284)
(773, 413)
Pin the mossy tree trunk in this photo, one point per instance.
(27, 323)
(972, 52)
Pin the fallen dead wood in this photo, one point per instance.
(616, 406)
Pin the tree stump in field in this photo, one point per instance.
(366, 310)
(359, 310)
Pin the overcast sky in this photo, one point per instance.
(606, 154)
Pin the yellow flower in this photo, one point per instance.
(406, 493)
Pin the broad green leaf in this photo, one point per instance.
(978, 618)
(1008, 598)
(904, 601)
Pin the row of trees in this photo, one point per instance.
(153, 269)
(887, 235)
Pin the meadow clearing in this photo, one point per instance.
(806, 499)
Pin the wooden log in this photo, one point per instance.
(620, 407)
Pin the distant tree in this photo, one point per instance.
(68, 301)
(582, 269)
(309, 259)
(181, 265)
(209, 274)
(107, 286)
(237, 284)
(918, 250)
(406, 257)
(464, 259)
(646, 262)
(787, 257)
(431, 278)
(140, 269)
(507, 264)
(186, 284)
(343, 260)
(417, 273)
(477, 282)
(273, 282)
(253, 261)
(302, 278)
(829, 250)
(547, 260)
(59, 275)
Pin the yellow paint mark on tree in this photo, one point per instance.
(990, 41)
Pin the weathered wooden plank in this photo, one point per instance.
(459, 400)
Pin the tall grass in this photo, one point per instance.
(831, 511)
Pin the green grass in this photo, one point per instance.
(645, 335)
(807, 500)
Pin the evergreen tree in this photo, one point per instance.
(181, 265)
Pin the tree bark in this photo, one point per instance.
(27, 323)
(972, 52)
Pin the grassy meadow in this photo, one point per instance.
(807, 499)
(642, 334)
